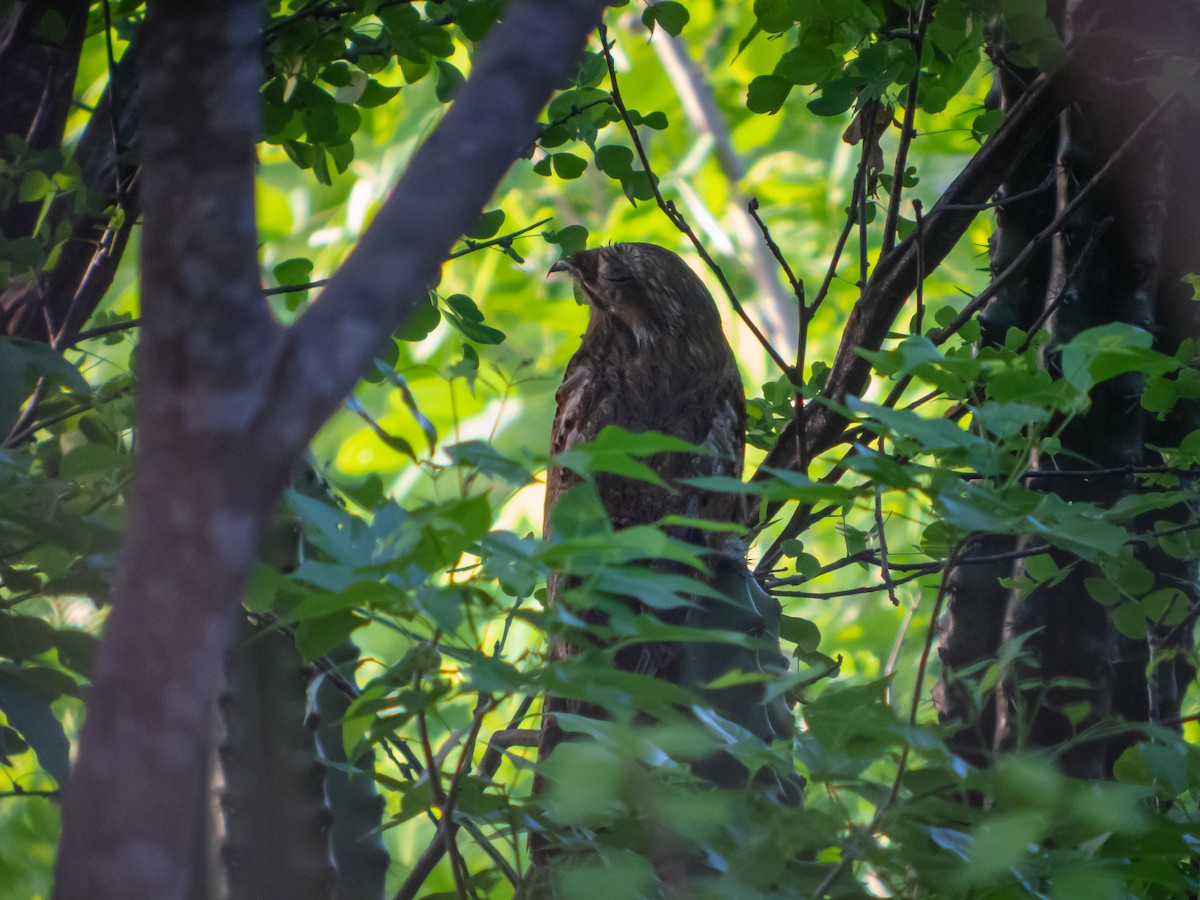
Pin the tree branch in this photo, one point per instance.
(229, 398)
(895, 276)
(676, 217)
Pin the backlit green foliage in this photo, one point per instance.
(428, 553)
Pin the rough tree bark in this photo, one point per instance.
(1119, 257)
(229, 398)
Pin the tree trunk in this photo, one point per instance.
(229, 398)
(1119, 257)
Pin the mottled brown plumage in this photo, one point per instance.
(653, 358)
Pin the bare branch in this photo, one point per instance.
(907, 133)
(676, 217)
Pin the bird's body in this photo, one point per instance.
(653, 358)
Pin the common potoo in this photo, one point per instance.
(653, 358)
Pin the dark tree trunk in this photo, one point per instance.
(1118, 258)
(229, 398)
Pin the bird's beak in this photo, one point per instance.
(566, 264)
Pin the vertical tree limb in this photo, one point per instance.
(229, 397)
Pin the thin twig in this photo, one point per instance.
(885, 570)
(1007, 199)
(290, 288)
(563, 120)
(796, 284)
(676, 218)
(907, 133)
(918, 689)
(102, 330)
(861, 209)
(439, 798)
(1084, 256)
(840, 246)
(53, 794)
(504, 239)
(470, 247)
(919, 318)
(849, 592)
(802, 327)
(482, 707)
(871, 557)
(23, 427)
(488, 765)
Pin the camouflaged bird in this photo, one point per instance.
(653, 358)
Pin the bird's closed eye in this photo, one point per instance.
(614, 277)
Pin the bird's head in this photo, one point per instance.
(646, 287)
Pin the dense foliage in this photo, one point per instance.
(740, 135)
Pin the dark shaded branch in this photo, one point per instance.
(907, 133)
(55, 308)
(37, 81)
(896, 276)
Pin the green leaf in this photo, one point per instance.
(487, 459)
(487, 225)
(39, 359)
(474, 330)
(296, 270)
(316, 637)
(466, 317)
(464, 307)
(449, 80)
(836, 97)
(570, 240)
(805, 64)
(467, 367)
(1107, 351)
(568, 165)
(25, 702)
(656, 120)
(1129, 620)
(34, 186)
(376, 94)
(767, 94)
(670, 15)
(801, 632)
(615, 160)
(615, 450)
(775, 16)
(51, 28)
(986, 123)
(421, 321)
(476, 18)
(579, 513)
